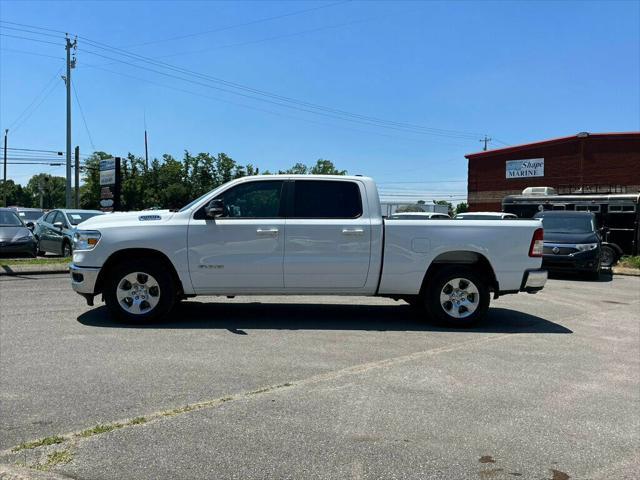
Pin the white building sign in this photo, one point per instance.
(532, 167)
(108, 171)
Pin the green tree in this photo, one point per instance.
(322, 167)
(462, 207)
(46, 190)
(16, 194)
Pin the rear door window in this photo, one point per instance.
(326, 199)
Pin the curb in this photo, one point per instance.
(33, 269)
(633, 272)
(11, 472)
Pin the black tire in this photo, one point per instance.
(66, 249)
(156, 274)
(593, 275)
(39, 253)
(608, 256)
(472, 290)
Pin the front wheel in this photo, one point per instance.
(39, 253)
(457, 297)
(66, 249)
(608, 257)
(139, 292)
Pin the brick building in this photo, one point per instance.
(583, 163)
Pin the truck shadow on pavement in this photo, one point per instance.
(239, 317)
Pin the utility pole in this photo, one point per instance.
(71, 63)
(4, 183)
(486, 140)
(77, 173)
(146, 148)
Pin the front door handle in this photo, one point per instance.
(267, 232)
(352, 231)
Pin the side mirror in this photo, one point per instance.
(58, 225)
(215, 208)
(30, 226)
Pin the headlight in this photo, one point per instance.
(86, 239)
(24, 239)
(585, 247)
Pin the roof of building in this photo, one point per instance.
(555, 141)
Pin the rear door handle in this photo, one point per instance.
(267, 232)
(352, 231)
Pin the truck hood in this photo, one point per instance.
(126, 219)
(556, 237)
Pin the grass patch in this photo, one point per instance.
(38, 443)
(178, 411)
(59, 457)
(630, 262)
(98, 429)
(35, 261)
(137, 421)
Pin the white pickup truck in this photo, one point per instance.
(302, 235)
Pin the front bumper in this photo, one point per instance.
(533, 281)
(83, 279)
(577, 262)
(11, 248)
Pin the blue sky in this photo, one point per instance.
(518, 71)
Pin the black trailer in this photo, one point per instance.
(618, 216)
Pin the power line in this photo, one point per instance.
(29, 31)
(33, 26)
(289, 102)
(267, 39)
(31, 39)
(84, 120)
(274, 98)
(27, 112)
(280, 114)
(375, 123)
(26, 52)
(244, 24)
(35, 150)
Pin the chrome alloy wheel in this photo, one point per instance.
(459, 298)
(138, 293)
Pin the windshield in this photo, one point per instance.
(78, 217)
(568, 224)
(10, 219)
(30, 215)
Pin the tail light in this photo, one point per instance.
(537, 244)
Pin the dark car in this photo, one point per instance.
(15, 237)
(54, 231)
(571, 242)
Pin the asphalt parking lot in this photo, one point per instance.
(323, 387)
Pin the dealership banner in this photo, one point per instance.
(532, 167)
(110, 184)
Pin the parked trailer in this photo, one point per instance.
(618, 216)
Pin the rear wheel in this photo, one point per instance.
(608, 256)
(139, 292)
(457, 297)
